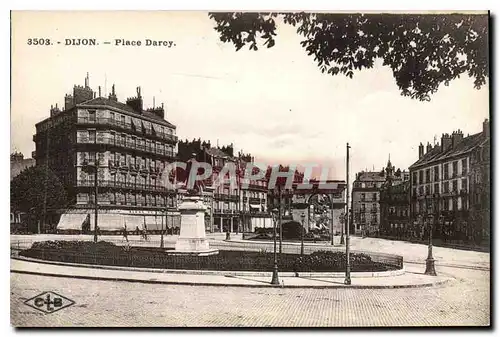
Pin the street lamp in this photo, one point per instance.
(275, 279)
(348, 260)
(429, 262)
(161, 237)
(302, 216)
(89, 166)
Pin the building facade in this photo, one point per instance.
(365, 202)
(444, 187)
(366, 199)
(237, 206)
(127, 144)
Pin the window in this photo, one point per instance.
(363, 207)
(374, 197)
(362, 197)
(428, 175)
(92, 116)
(464, 166)
(446, 187)
(455, 185)
(92, 136)
(421, 176)
(436, 188)
(446, 172)
(436, 173)
(455, 168)
(112, 115)
(427, 190)
(464, 184)
(414, 178)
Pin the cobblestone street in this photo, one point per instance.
(464, 301)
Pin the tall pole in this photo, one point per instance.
(161, 237)
(302, 236)
(331, 231)
(96, 192)
(348, 259)
(46, 179)
(275, 279)
(280, 219)
(429, 262)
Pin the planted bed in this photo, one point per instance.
(105, 253)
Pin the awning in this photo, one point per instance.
(255, 206)
(71, 221)
(147, 125)
(156, 128)
(108, 222)
(137, 123)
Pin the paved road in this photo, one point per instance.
(465, 301)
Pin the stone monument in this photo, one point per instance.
(192, 239)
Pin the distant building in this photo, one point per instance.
(233, 208)
(366, 197)
(395, 210)
(450, 186)
(18, 163)
(130, 146)
(18, 220)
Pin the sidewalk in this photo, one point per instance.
(412, 278)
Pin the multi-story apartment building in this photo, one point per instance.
(129, 145)
(395, 210)
(365, 202)
(236, 207)
(395, 203)
(442, 181)
(366, 197)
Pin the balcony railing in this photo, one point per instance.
(128, 127)
(125, 144)
(226, 197)
(123, 184)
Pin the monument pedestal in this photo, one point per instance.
(192, 239)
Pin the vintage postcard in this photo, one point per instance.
(250, 169)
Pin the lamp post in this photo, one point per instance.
(348, 259)
(331, 223)
(89, 166)
(275, 279)
(161, 236)
(280, 219)
(429, 262)
(302, 216)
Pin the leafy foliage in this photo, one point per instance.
(422, 51)
(27, 191)
(105, 253)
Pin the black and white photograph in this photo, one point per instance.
(259, 169)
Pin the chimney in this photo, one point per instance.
(445, 142)
(486, 128)
(428, 148)
(68, 102)
(112, 96)
(456, 138)
(420, 151)
(136, 102)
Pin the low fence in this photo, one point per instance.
(393, 261)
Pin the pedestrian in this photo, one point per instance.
(125, 234)
(137, 232)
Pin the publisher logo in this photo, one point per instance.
(49, 302)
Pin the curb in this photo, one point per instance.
(98, 278)
(390, 273)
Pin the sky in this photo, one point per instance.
(273, 103)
